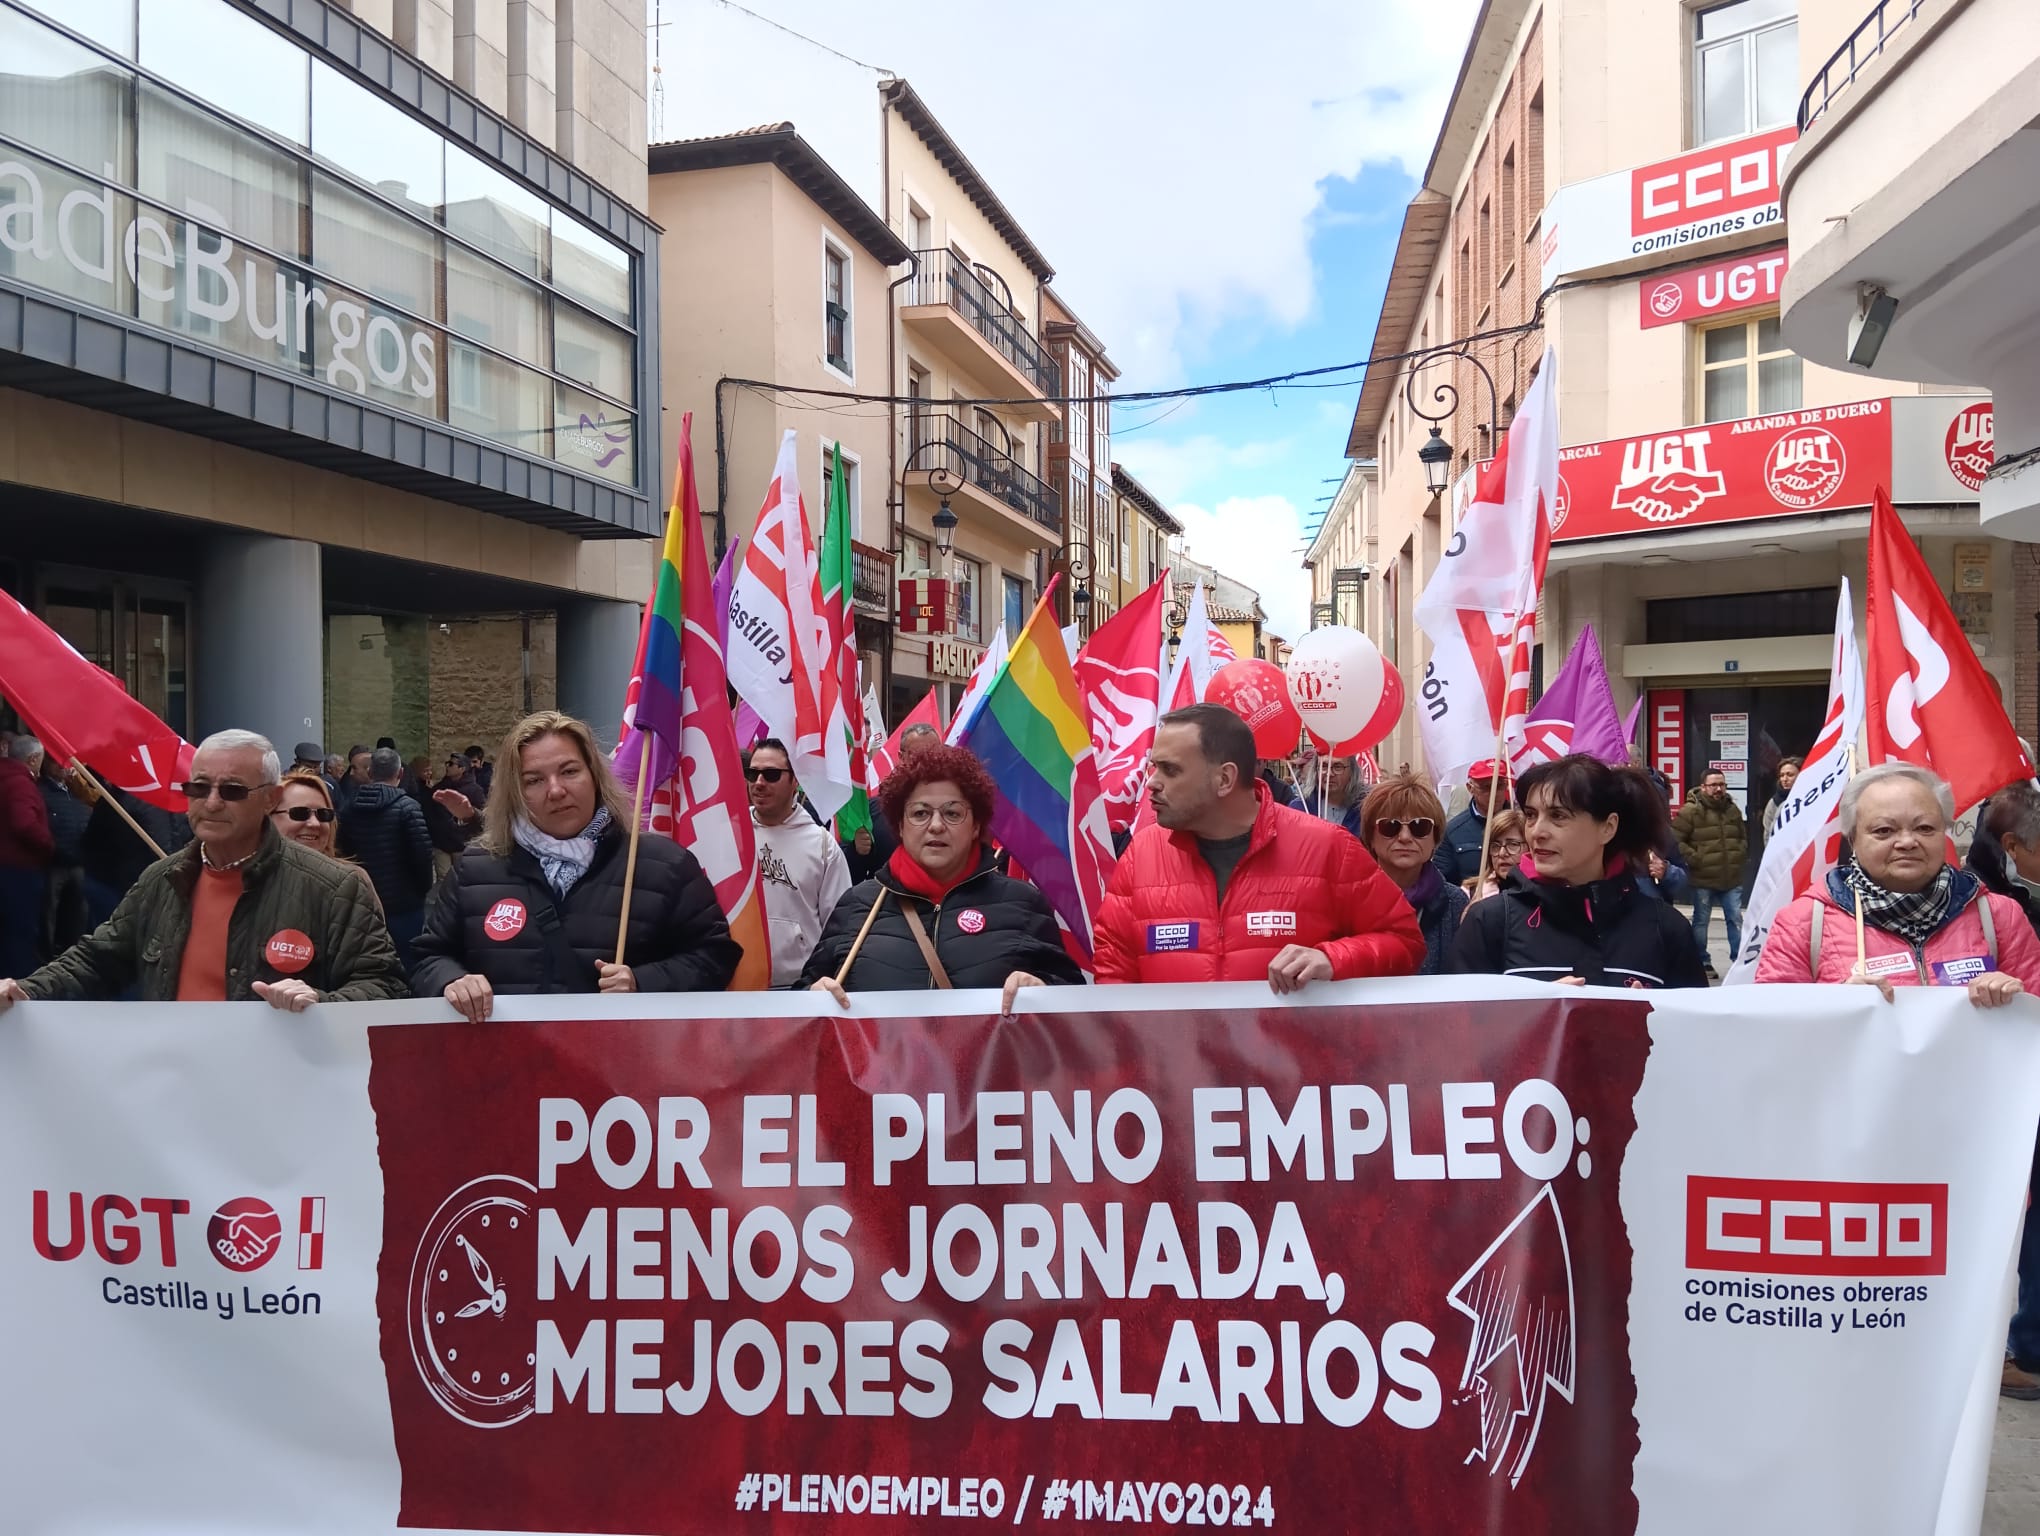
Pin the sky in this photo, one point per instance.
(1219, 197)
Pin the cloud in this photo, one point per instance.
(1174, 468)
(1254, 539)
(1168, 156)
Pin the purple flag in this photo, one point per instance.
(1576, 714)
(724, 584)
(1629, 720)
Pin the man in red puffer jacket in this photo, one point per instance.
(1233, 887)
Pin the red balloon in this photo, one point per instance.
(1376, 730)
(1258, 693)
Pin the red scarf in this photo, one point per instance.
(918, 882)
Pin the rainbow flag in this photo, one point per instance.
(1032, 734)
(679, 686)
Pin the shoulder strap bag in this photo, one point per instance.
(927, 946)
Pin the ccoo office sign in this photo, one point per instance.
(1705, 196)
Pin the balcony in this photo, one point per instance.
(871, 580)
(1917, 173)
(945, 451)
(960, 311)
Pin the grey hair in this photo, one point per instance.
(1884, 772)
(385, 765)
(24, 749)
(2014, 810)
(239, 741)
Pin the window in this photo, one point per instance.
(920, 228)
(1746, 370)
(918, 551)
(1745, 68)
(969, 578)
(836, 309)
(1078, 411)
(850, 484)
(920, 392)
(1508, 190)
(1462, 286)
(1015, 594)
(1080, 500)
(1101, 432)
(1487, 254)
(1533, 152)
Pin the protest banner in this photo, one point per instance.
(1429, 1257)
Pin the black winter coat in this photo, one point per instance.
(383, 830)
(496, 917)
(1458, 855)
(1014, 930)
(70, 815)
(1607, 933)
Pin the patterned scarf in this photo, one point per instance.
(1914, 916)
(564, 859)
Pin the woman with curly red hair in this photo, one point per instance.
(938, 914)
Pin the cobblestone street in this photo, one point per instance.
(2013, 1505)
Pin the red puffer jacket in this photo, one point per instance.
(1301, 881)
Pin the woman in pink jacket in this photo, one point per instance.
(1925, 922)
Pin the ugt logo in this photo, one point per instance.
(243, 1234)
(1667, 479)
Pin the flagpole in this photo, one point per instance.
(119, 810)
(1862, 962)
(637, 817)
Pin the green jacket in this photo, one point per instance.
(284, 887)
(1714, 840)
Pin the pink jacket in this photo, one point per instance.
(1787, 951)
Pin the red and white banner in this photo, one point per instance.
(1817, 460)
(1516, 1259)
(1668, 739)
(1705, 197)
(1714, 288)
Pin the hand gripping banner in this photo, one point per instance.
(1430, 1257)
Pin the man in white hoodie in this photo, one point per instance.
(805, 872)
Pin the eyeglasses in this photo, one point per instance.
(198, 790)
(952, 815)
(319, 813)
(1420, 827)
(1511, 845)
(769, 775)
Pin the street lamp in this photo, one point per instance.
(945, 529)
(944, 481)
(1436, 453)
(1078, 564)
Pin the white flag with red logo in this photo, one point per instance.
(1807, 834)
(981, 676)
(1480, 606)
(1200, 651)
(1936, 705)
(780, 658)
(1119, 670)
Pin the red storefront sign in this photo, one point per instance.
(1738, 282)
(1726, 471)
(1667, 708)
(1970, 446)
(927, 606)
(1736, 182)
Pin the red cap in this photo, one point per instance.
(1484, 769)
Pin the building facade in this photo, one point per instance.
(325, 364)
(1080, 467)
(1714, 483)
(1151, 532)
(984, 390)
(785, 275)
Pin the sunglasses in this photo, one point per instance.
(202, 789)
(1420, 827)
(769, 775)
(319, 813)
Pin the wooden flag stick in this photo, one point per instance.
(637, 817)
(858, 943)
(1487, 826)
(1862, 962)
(119, 810)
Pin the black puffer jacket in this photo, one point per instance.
(496, 917)
(1987, 862)
(384, 831)
(984, 930)
(1607, 933)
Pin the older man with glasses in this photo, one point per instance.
(240, 913)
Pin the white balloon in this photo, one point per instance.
(1335, 680)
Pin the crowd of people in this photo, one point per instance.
(359, 878)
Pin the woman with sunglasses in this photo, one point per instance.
(939, 914)
(304, 814)
(1402, 818)
(1571, 913)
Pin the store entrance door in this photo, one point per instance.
(1748, 732)
(135, 627)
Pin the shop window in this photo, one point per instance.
(1745, 68)
(1014, 591)
(850, 484)
(1747, 370)
(969, 579)
(918, 553)
(836, 309)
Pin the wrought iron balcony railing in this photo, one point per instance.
(946, 278)
(944, 444)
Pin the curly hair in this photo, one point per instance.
(938, 765)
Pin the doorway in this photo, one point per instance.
(1757, 727)
(134, 627)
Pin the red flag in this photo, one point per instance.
(1120, 672)
(1931, 702)
(887, 757)
(79, 710)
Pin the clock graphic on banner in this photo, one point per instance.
(469, 1299)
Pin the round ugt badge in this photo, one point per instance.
(473, 1336)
